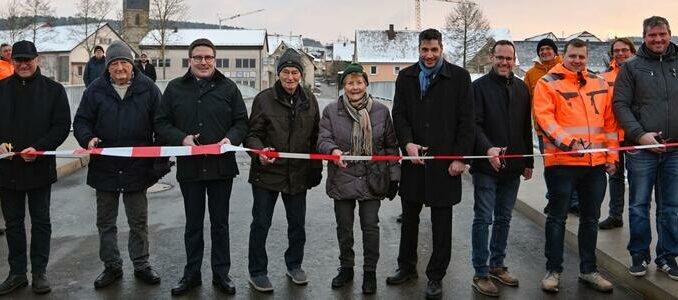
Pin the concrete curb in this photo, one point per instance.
(68, 166)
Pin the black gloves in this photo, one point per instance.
(314, 177)
(392, 190)
(161, 166)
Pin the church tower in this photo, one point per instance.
(135, 21)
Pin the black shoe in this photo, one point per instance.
(434, 289)
(108, 276)
(345, 276)
(611, 223)
(369, 283)
(40, 284)
(401, 276)
(224, 283)
(148, 275)
(185, 285)
(12, 283)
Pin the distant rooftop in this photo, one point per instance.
(219, 37)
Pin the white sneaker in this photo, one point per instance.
(551, 282)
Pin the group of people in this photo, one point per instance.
(437, 110)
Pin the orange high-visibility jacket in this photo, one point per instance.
(533, 75)
(6, 69)
(610, 76)
(571, 107)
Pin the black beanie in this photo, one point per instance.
(547, 42)
(291, 58)
(354, 68)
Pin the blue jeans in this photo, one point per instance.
(493, 197)
(262, 214)
(574, 200)
(617, 188)
(647, 170)
(590, 183)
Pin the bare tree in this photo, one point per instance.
(36, 10)
(93, 15)
(165, 13)
(468, 28)
(16, 21)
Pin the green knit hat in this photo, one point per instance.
(354, 68)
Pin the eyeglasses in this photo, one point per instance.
(622, 50)
(199, 58)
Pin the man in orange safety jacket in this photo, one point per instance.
(574, 110)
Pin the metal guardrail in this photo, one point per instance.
(74, 93)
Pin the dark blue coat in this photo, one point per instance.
(118, 122)
(94, 68)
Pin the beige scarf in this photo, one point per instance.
(361, 135)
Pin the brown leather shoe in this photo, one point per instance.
(485, 286)
(503, 275)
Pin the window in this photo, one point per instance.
(252, 84)
(137, 20)
(373, 70)
(245, 63)
(222, 62)
(79, 70)
(159, 63)
(253, 74)
(396, 70)
(184, 63)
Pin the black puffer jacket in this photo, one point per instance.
(288, 124)
(34, 113)
(646, 95)
(503, 110)
(214, 109)
(118, 122)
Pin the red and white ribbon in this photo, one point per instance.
(216, 149)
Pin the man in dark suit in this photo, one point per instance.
(432, 113)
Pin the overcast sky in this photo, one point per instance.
(326, 20)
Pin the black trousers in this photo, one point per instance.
(441, 221)
(218, 198)
(14, 211)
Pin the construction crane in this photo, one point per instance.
(417, 9)
(237, 16)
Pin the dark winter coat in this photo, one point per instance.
(215, 111)
(503, 119)
(336, 126)
(276, 122)
(646, 95)
(34, 113)
(148, 70)
(118, 122)
(94, 68)
(441, 120)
